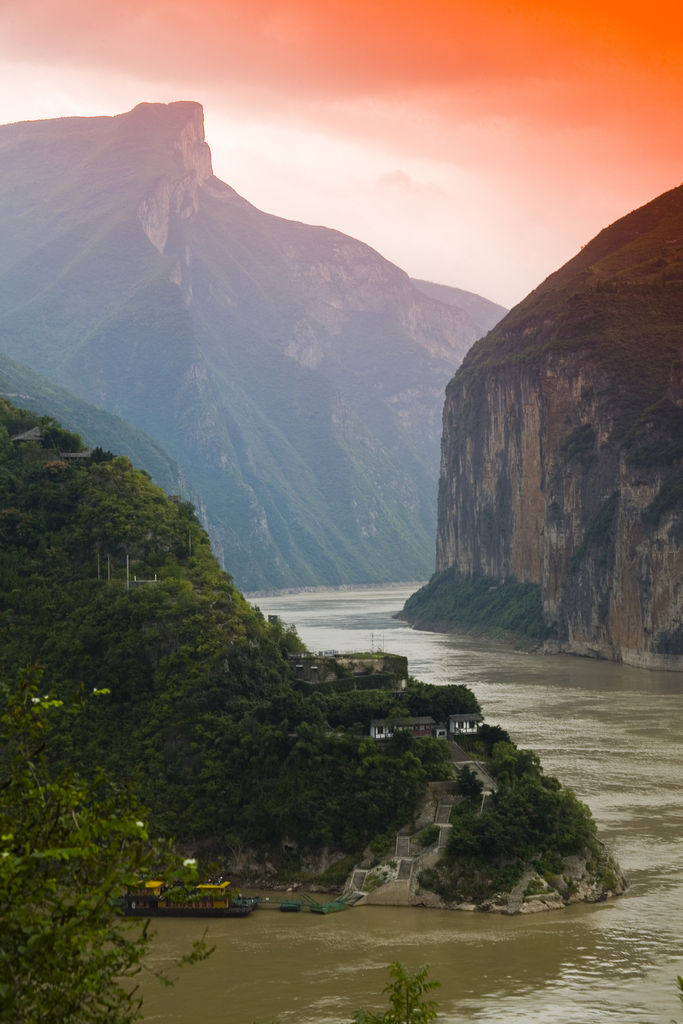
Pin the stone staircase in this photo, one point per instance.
(397, 891)
(405, 870)
(402, 846)
(358, 879)
(443, 812)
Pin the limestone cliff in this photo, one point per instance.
(562, 452)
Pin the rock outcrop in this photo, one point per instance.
(562, 452)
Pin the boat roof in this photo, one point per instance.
(208, 885)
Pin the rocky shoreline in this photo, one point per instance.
(582, 880)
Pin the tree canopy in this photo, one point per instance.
(202, 715)
(67, 848)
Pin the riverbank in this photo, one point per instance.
(505, 638)
(332, 589)
(508, 612)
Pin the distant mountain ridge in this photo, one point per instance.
(483, 312)
(295, 375)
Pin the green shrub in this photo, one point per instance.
(428, 836)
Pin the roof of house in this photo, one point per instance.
(466, 718)
(424, 720)
(29, 435)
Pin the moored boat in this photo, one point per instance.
(291, 906)
(327, 908)
(156, 899)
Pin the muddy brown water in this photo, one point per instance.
(611, 732)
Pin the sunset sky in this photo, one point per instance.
(476, 144)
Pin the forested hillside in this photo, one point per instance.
(203, 718)
(31, 390)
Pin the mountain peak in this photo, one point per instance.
(183, 121)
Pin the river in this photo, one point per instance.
(611, 732)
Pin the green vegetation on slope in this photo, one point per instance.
(28, 389)
(202, 716)
(202, 720)
(530, 819)
(506, 611)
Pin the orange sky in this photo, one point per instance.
(474, 143)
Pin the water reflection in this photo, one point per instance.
(610, 731)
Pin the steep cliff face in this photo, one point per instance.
(562, 452)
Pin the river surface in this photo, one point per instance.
(612, 732)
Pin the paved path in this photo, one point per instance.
(403, 846)
(405, 870)
(443, 813)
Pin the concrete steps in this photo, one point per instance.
(402, 846)
(405, 870)
(443, 813)
(358, 879)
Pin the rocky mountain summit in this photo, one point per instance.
(294, 374)
(562, 459)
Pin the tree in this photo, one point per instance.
(67, 849)
(469, 785)
(406, 996)
(490, 735)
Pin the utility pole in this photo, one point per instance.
(127, 572)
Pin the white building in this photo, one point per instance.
(463, 725)
(384, 728)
